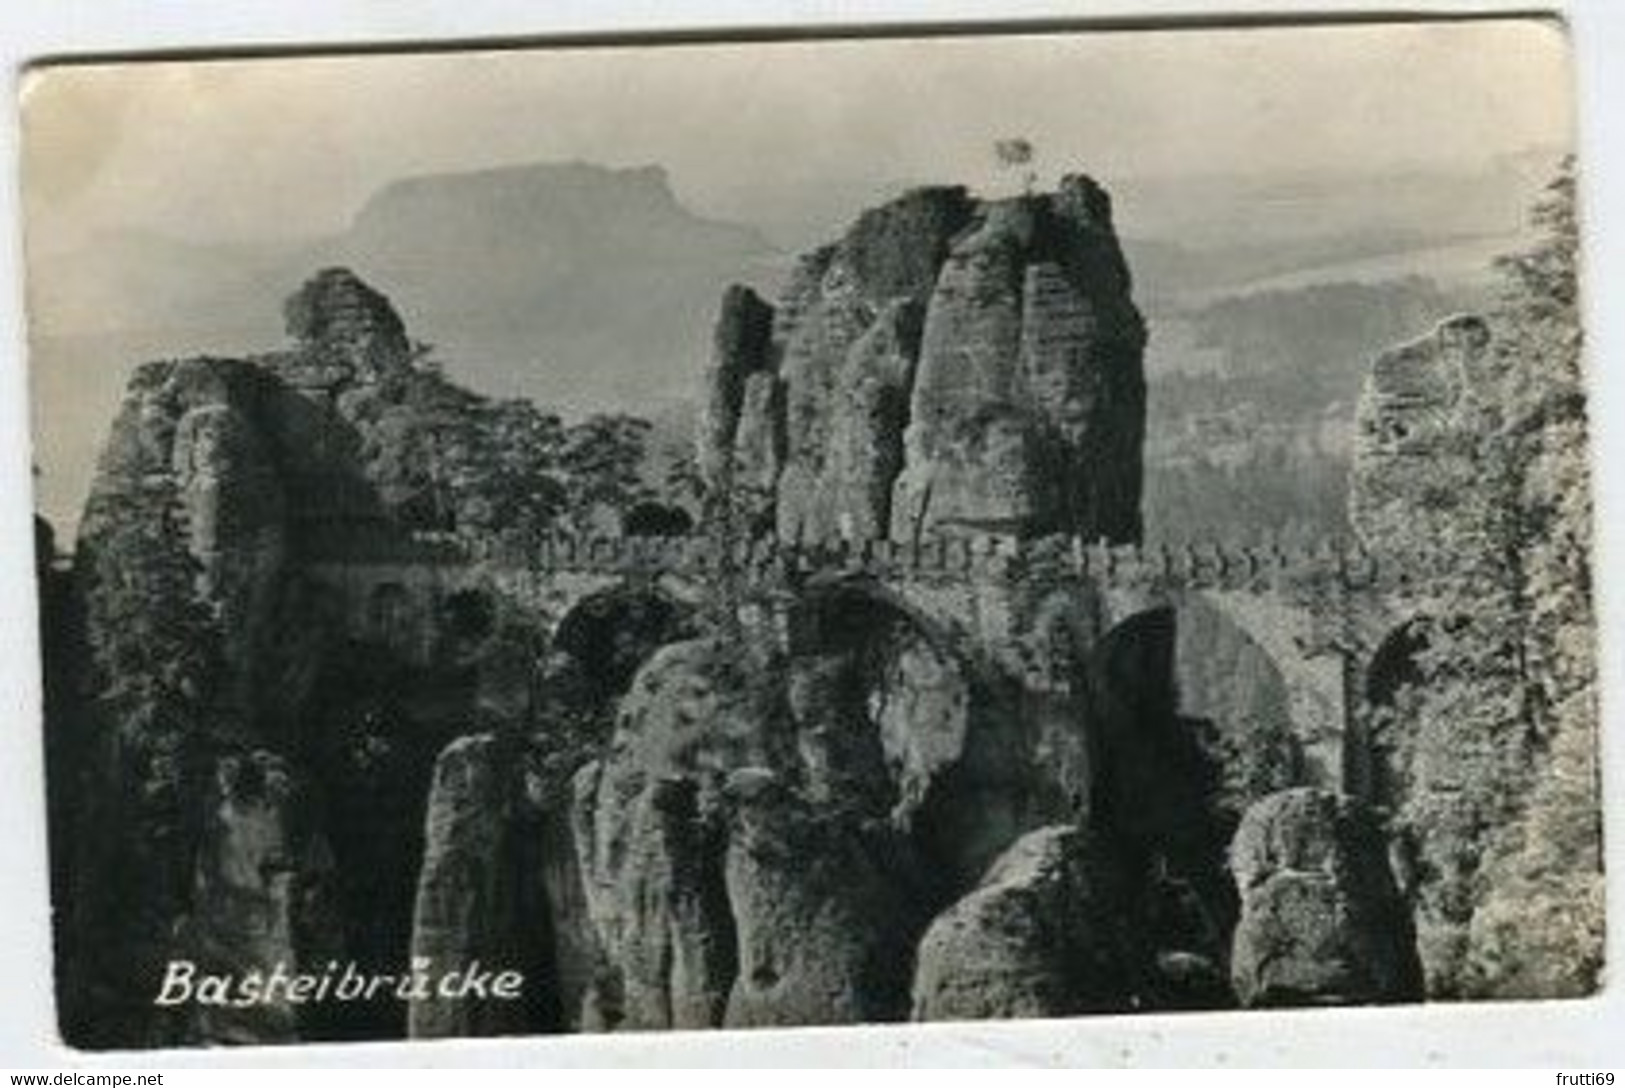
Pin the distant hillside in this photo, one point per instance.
(1253, 436)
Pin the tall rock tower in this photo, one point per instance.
(948, 365)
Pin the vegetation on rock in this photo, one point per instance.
(1499, 792)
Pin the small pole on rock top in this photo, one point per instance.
(1013, 152)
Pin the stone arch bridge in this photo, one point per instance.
(1319, 618)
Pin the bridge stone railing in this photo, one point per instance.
(1210, 565)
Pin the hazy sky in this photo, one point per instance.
(281, 147)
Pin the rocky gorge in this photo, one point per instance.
(320, 716)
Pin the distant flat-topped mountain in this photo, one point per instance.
(579, 286)
(563, 282)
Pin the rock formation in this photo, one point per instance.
(469, 900)
(248, 747)
(174, 544)
(1470, 465)
(1410, 428)
(1028, 411)
(868, 413)
(949, 363)
(741, 352)
(890, 254)
(825, 926)
(352, 699)
(655, 897)
(746, 817)
(651, 843)
(1046, 933)
(346, 327)
(1321, 921)
(265, 897)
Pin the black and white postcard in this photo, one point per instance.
(763, 532)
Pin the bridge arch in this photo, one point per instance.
(611, 631)
(1244, 691)
(892, 702)
(835, 610)
(1160, 785)
(1060, 632)
(1136, 745)
(1310, 666)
